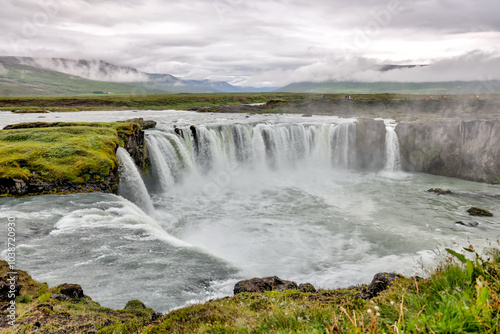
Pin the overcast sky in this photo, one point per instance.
(264, 43)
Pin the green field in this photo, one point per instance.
(396, 106)
(143, 102)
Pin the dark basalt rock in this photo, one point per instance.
(135, 144)
(439, 191)
(475, 211)
(73, 291)
(7, 287)
(194, 132)
(380, 282)
(18, 187)
(178, 131)
(469, 224)
(273, 283)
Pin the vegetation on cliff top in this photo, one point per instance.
(60, 152)
(461, 296)
(396, 106)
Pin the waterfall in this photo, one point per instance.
(132, 186)
(179, 151)
(392, 156)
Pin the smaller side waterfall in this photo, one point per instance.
(392, 156)
(131, 185)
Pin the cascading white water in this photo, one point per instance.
(268, 146)
(132, 186)
(392, 155)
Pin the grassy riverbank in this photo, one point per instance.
(460, 296)
(61, 157)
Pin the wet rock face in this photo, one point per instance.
(463, 149)
(370, 144)
(135, 144)
(273, 283)
(17, 187)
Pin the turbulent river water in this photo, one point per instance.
(245, 196)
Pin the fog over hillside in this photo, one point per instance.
(89, 69)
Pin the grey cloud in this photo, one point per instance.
(472, 66)
(255, 42)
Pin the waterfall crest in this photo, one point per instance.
(259, 146)
(132, 186)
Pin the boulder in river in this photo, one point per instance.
(469, 224)
(439, 191)
(475, 211)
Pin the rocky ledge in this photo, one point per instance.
(25, 177)
(379, 283)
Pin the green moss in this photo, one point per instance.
(135, 304)
(24, 299)
(57, 153)
(61, 152)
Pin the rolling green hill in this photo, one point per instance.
(22, 80)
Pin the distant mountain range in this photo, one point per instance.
(26, 76)
(21, 76)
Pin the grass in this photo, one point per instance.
(396, 106)
(152, 102)
(456, 298)
(60, 152)
(461, 296)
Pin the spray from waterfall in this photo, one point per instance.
(132, 186)
(392, 155)
(202, 150)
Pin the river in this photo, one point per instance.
(252, 196)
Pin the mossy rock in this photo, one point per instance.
(475, 211)
(135, 304)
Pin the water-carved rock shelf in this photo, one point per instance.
(60, 158)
